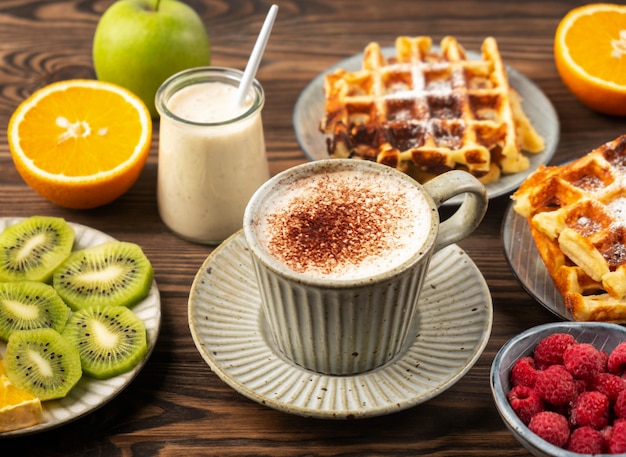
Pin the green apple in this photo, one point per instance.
(138, 44)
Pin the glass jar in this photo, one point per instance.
(212, 154)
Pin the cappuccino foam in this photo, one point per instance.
(344, 224)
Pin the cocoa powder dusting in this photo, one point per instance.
(338, 223)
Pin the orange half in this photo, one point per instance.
(80, 143)
(590, 55)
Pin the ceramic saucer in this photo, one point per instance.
(229, 330)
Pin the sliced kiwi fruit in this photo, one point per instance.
(34, 247)
(42, 362)
(115, 273)
(25, 305)
(111, 340)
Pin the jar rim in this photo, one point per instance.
(197, 75)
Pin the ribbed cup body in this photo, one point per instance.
(341, 331)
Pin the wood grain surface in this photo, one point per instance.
(177, 406)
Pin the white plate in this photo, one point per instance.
(309, 111)
(527, 266)
(229, 330)
(90, 394)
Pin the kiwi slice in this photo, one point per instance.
(115, 273)
(34, 247)
(110, 339)
(42, 362)
(25, 305)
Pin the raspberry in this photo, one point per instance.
(617, 360)
(582, 385)
(619, 408)
(609, 384)
(617, 442)
(590, 409)
(549, 351)
(556, 385)
(607, 432)
(605, 356)
(586, 440)
(524, 373)
(583, 361)
(526, 402)
(550, 426)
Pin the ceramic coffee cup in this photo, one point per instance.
(340, 249)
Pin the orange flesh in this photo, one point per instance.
(597, 43)
(80, 132)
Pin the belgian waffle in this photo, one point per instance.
(577, 217)
(425, 112)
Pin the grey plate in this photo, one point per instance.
(309, 111)
(229, 330)
(90, 394)
(527, 266)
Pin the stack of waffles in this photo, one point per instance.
(577, 217)
(425, 113)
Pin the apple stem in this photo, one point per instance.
(156, 6)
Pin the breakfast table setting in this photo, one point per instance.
(211, 382)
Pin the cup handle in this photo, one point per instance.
(471, 212)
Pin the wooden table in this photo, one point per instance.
(177, 406)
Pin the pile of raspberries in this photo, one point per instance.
(572, 394)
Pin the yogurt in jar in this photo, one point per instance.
(211, 155)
